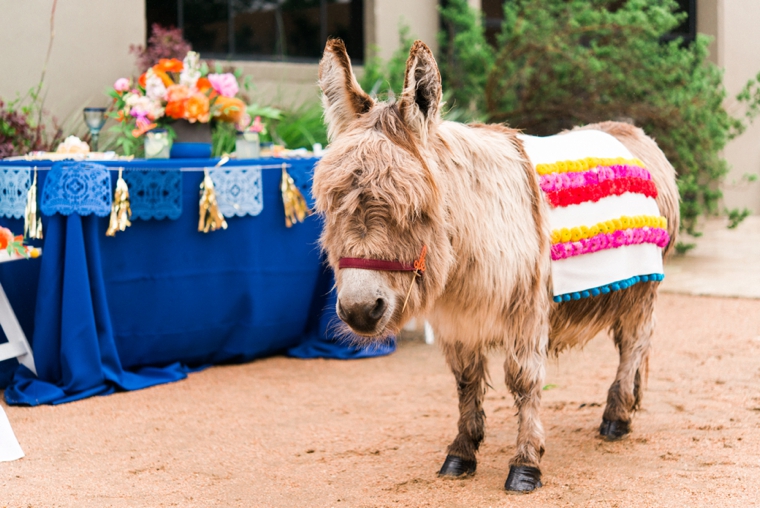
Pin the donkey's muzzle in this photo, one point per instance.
(363, 317)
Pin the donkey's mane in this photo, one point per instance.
(387, 119)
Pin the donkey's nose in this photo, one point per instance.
(362, 316)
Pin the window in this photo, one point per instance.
(687, 30)
(493, 16)
(292, 30)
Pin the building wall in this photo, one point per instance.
(736, 48)
(90, 50)
(387, 15)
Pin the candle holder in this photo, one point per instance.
(157, 144)
(247, 145)
(95, 118)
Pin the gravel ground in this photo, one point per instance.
(291, 433)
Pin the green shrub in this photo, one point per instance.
(562, 63)
(383, 78)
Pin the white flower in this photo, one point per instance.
(73, 144)
(191, 70)
(142, 106)
(154, 87)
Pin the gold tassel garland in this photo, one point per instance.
(292, 199)
(211, 218)
(120, 209)
(32, 217)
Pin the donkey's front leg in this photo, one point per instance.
(524, 369)
(632, 333)
(470, 370)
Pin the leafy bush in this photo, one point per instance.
(22, 129)
(162, 43)
(300, 127)
(381, 77)
(562, 63)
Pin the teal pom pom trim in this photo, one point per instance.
(614, 286)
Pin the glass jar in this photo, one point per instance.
(247, 145)
(157, 144)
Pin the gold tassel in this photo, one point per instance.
(211, 218)
(120, 209)
(295, 205)
(32, 217)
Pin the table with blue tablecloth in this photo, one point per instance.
(160, 299)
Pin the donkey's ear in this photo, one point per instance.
(342, 97)
(421, 99)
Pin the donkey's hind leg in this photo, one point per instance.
(470, 370)
(632, 332)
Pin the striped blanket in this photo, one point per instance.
(607, 231)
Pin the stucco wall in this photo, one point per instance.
(283, 85)
(736, 48)
(385, 16)
(90, 49)
(741, 60)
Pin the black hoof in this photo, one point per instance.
(455, 466)
(523, 479)
(614, 430)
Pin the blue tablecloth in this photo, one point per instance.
(159, 299)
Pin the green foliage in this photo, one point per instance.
(223, 137)
(566, 63)
(124, 141)
(300, 127)
(750, 95)
(736, 216)
(382, 77)
(562, 63)
(265, 112)
(465, 57)
(683, 248)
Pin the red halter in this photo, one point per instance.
(418, 266)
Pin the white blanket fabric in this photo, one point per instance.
(587, 271)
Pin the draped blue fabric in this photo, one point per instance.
(146, 306)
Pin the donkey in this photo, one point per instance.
(396, 178)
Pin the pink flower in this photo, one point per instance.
(244, 122)
(121, 85)
(257, 126)
(224, 84)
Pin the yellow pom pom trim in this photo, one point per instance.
(589, 163)
(625, 222)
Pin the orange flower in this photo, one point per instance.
(141, 80)
(167, 65)
(197, 108)
(164, 77)
(6, 237)
(229, 109)
(204, 85)
(175, 109)
(143, 126)
(177, 93)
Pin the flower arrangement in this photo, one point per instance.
(174, 90)
(14, 245)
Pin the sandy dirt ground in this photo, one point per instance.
(291, 433)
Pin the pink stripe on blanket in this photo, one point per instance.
(602, 241)
(558, 181)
